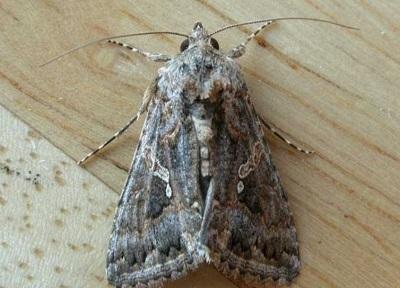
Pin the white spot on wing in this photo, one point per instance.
(163, 173)
(240, 187)
(168, 191)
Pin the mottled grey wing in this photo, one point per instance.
(252, 234)
(158, 216)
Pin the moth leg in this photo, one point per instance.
(239, 50)
(156, 57)
(277, 134)
(115, 136)
(146, 99)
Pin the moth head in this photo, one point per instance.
(199, 36)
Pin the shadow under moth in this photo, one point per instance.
(202, 186)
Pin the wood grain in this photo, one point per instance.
(335, 90)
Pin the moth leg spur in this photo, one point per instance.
(156, 57)
(283, 138)
(239, 50)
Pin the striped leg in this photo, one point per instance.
(156, 57)
(277, 134)
(146, 99)
(239, 50)
(115, 136)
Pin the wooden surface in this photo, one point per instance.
(335, 90)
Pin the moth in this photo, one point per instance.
(202, 186)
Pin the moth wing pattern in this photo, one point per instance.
(202, 185)
(252, 233)
(158, 217)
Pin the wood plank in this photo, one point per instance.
(335, 90)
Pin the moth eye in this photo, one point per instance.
(214, 43)
(184, 45)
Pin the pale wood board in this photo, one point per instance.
(335, 90)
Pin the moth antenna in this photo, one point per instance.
(283, 138)
(282, 19)
(110, 38)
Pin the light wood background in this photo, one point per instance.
(335, 90)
